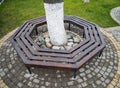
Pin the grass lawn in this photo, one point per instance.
(14, 12)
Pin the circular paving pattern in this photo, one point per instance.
(97, 73)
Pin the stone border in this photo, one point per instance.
(113, 14)
(111, 28)
(116, 79)
(114, 82)
(7, 36)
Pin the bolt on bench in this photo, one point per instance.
(32, 55)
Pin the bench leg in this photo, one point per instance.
(29, 69)
(75, 73)
(36, 31)
(100, 53)
(69, 27)
(83, 34)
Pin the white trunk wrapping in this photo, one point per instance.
(86, 1)
(55, 24)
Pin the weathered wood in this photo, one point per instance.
(73, 59)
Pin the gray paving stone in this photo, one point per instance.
(43, 87)
(104, 68)
(20, 85)
(106, 73)
(84, 84)
(107, 81)
(80, 80)
(99, 75)
(2, 73)
(70, 83)
(104, 84)
(102, 79)
(47, 83)
(82, 70)
(36, 80)
(82, 74)
(89, 76)
(102, 72)
(98, 71)
(30, 84)
(87, 71)
(98, 82)
(37, 86)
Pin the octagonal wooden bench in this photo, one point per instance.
(32, 55)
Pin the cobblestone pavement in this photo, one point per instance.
(109, 32)
(97, 73)
(115, 32)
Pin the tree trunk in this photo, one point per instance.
(55, 24)
(86, 1)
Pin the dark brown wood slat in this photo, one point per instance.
(100, 34)
(19, 34)
(23, 29)
(91, 43)
(19, 29)
(50, 58)
(95, 32)
(61, 55)
(81, 42)
(32, 57)
(18, 50)
(44, 50)
(50, 64)
(84, 53)
(93, 24)
(38, 57)
(77, 23)
(57, 55)
(94, 45)
(96, 35)
(41, 63)
(89, 56)
(40, 53)
(39, 18)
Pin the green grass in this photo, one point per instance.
(14, 12)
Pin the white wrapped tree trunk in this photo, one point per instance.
(86, 1)
(55, 24)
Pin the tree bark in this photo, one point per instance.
(55, 24)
